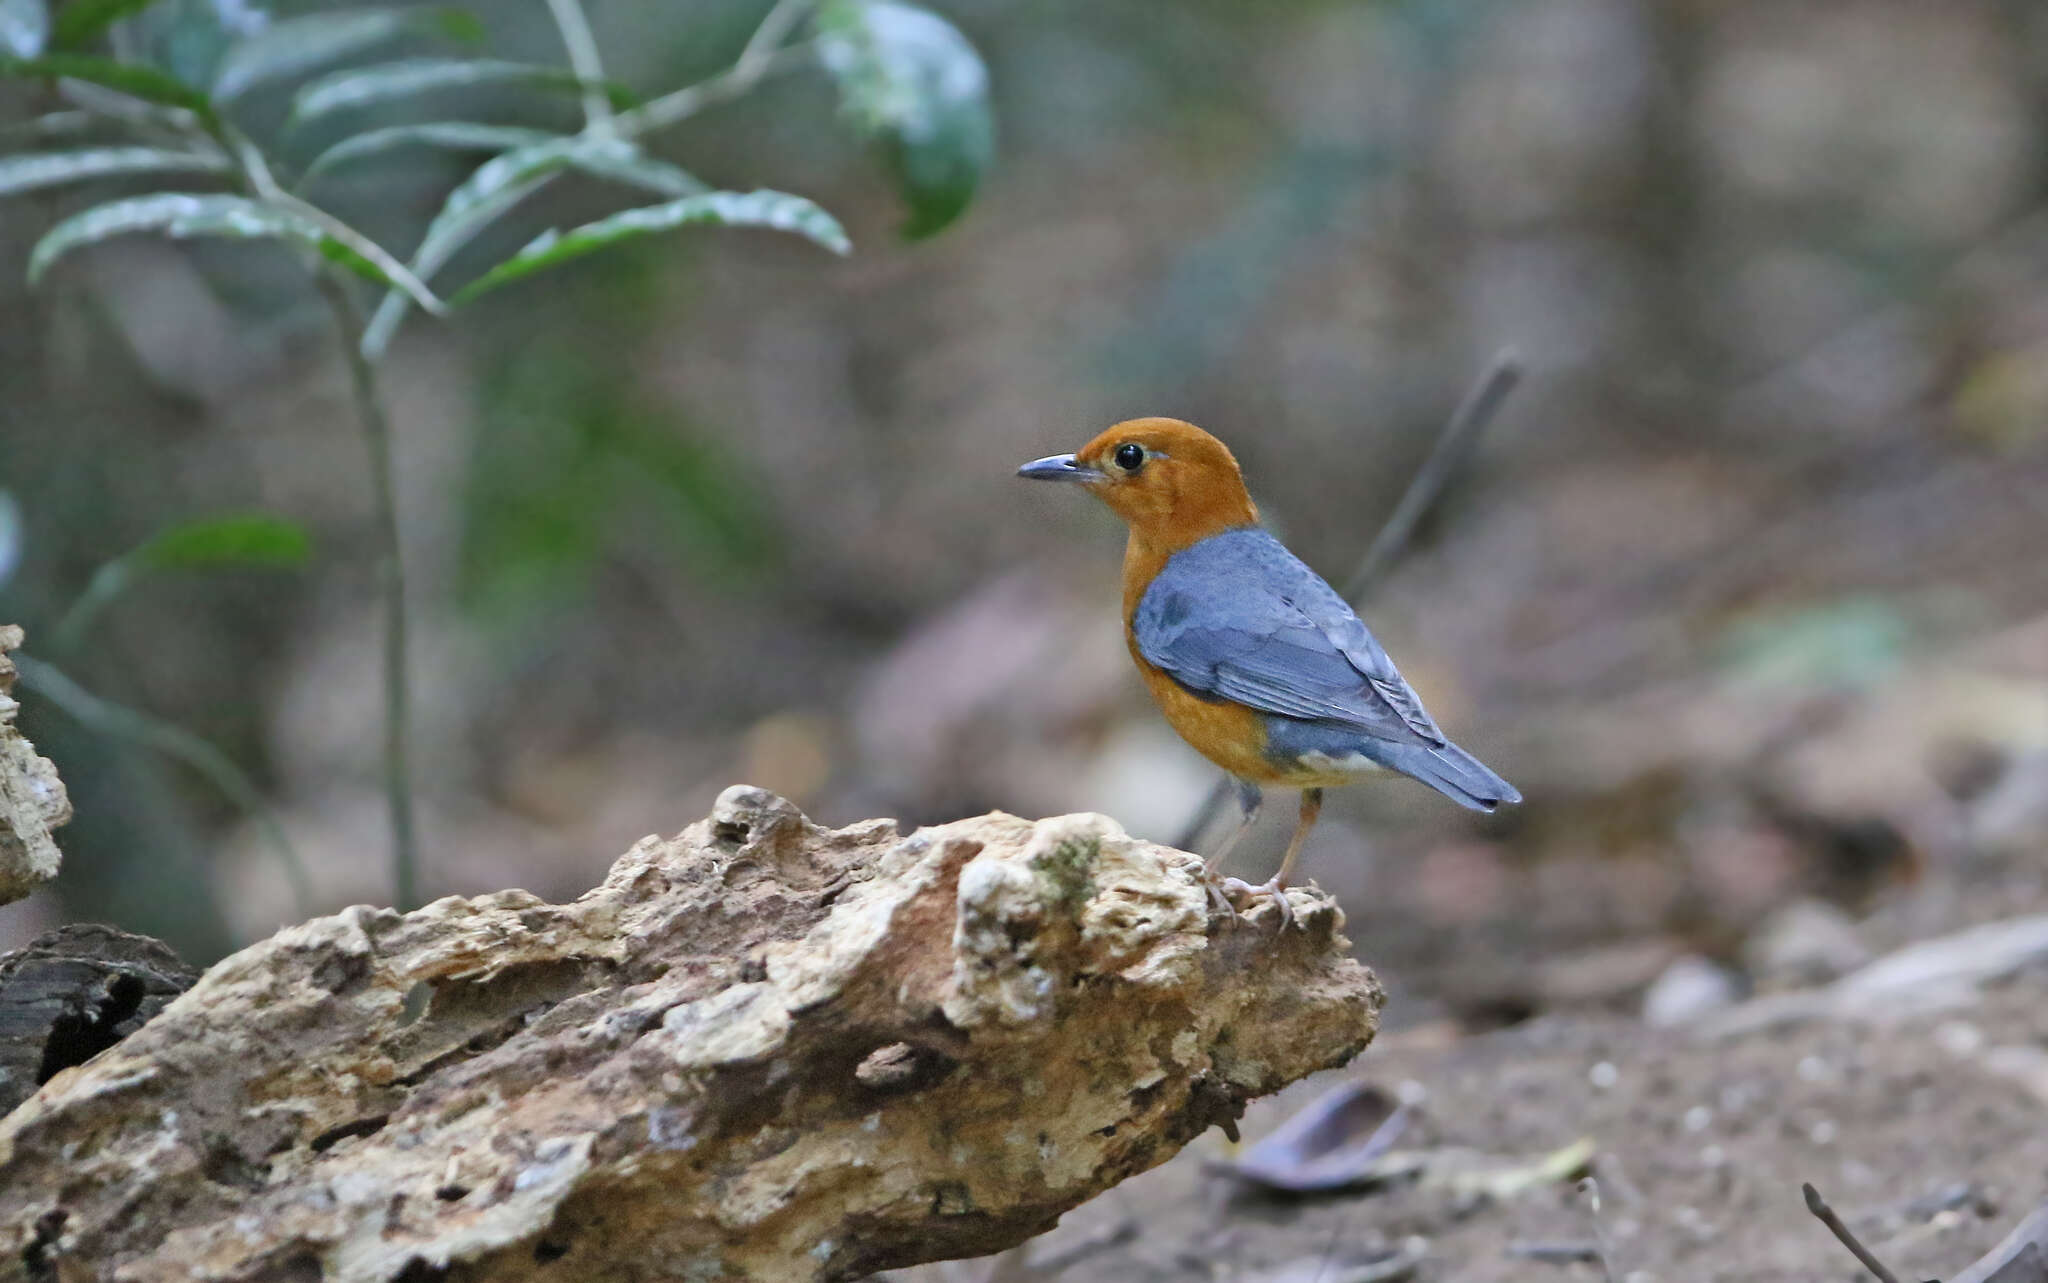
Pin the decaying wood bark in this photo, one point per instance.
(32, 800)
(75, 992)
(759, 1050)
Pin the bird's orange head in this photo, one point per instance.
(1172, 482)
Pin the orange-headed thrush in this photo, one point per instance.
(1254, 659)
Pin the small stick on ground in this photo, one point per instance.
(1589, 1188)
(1819, 1207)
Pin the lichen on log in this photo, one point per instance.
(32, 798)
(761, 1049)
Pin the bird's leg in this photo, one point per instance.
(1276, 887)
(1311, 810)
(1249, 799)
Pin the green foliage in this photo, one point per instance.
(173, 101)
(189, 38)
(180, 215)
(247, 540)
(24, 27)
(119, 723)
(55, 125)
(290, 47)
(717, 209)
(241, 539)
(497, 185)
(452, 135)
(251, 540)
(627, 165)
(410, 77)
(80, 22)
(135, 79)
(50, 169)
(909, 79)
(505, 180)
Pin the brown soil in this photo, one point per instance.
(1915, 1127)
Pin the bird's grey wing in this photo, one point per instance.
(1228, 617)
(1348, 633)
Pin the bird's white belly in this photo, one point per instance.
(1324, 769)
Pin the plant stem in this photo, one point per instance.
(363, 247)
(376, 426)
(775, 24)
(391, 309)
(764, 53)
(117, 722)
(583, 60)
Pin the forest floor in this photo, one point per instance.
(1911, 1093)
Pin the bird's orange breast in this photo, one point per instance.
(1228, 734)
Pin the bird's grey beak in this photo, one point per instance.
(1059, 467)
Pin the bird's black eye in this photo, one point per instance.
(1130, 456)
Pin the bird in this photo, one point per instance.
(1254, 659)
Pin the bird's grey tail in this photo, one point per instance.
(1449, 770)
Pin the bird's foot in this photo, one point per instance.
(1274, 889)
(1219, 898)
(1220, 902)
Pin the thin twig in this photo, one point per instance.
(778, 22)
(265, 187)
(686, 102)
(255, 169)
(397, 768)
(762, 55)
(119, 722)
(391, 576)
(357, 243)
(1460, 433)
(1590, 1189)
(574, 25)
(259, 182)
(383, 325)
(1467, 423)
(1819, 1207)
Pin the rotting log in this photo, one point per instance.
(32, 799)
(74, 992)
(760, 1050)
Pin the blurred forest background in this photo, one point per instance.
(1747, 589)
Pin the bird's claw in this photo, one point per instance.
(1273, 889)
(1221, 902)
